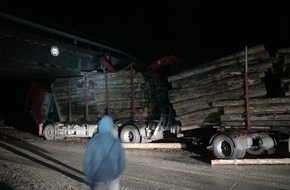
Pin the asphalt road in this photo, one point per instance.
(30, 163)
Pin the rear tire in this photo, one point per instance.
(49, 132)
(224, 148)
(130, 134)
(241, 153)
(256, 151)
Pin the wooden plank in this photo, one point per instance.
(266, 161)
(153, 145)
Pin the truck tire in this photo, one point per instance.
(255, 151)
(238, 146)
(262, 145)
(224, 148)
(130, 134)
(241, 153)
(49, 133)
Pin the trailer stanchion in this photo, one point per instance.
(247, 92)
(69, 102)
(132, 91)
(107, 94)
(86, 99)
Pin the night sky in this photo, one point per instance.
(194, 31)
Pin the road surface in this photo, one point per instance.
(30, 162)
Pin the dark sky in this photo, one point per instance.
(194, 31)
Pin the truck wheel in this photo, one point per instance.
(241, 153)
(223, 147)
(49, 132)
(130, 134)
(255, 151)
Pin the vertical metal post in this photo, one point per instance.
(69, 101)
(248, 122)
(132, 91)
(86, 99)
(107, 94)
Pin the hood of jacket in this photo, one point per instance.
(105, 125)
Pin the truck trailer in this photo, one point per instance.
(72, 106)
(242, 97)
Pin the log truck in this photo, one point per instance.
(239, 114)
(56, 120)
(231, 143)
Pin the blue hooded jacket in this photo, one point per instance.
(104, 157)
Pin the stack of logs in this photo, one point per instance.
(213, 94)
(283, 68)
(87, 98)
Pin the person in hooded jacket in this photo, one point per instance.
(104, 161)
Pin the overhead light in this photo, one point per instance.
(54, 51)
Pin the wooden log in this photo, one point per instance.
(190, 106)
(119, 85)
(96, 89)
(93, 102)
(286, 60)
(255, 91)
(264, 100)
(259, 117)
(216, 64)
(99, 107)
(100, 96)
(119, 95)
(206, 78)
(215, 87)
(189, 127)
(256, 124)
(268, 108)
(201, 113)
(231, 102)
(207, 117)
(205, 121)
(285, 81)
(283, 50)
(203, 90)
(252, 50)
(99, 79)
